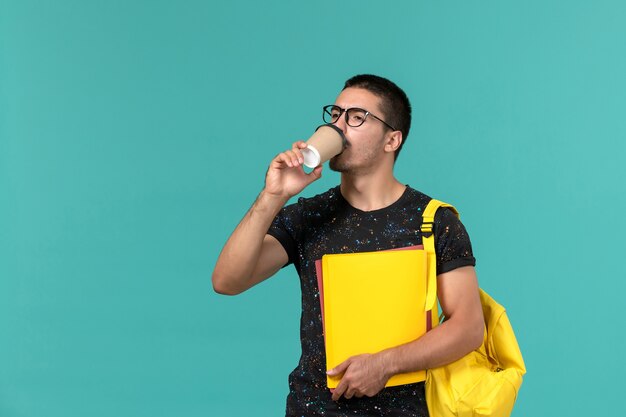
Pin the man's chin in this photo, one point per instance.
(336, 165)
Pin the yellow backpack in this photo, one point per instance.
(486, 381)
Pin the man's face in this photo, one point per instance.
(364, 150)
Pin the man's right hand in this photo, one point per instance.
(286, 177)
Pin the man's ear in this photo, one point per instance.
(394, 140)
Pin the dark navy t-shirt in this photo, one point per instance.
(328, 224)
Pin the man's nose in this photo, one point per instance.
(341, 123)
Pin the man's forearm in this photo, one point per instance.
(443, 344)
(238, 260)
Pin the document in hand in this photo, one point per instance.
(373, 301)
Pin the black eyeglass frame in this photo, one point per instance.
(327, 110)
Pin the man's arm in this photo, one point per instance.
(461, 333)
(251, 255)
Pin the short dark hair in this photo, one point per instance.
(395, 104)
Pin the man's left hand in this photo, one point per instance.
(362, 375)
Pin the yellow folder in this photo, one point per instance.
(373, 301)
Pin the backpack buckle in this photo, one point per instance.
(427, 229)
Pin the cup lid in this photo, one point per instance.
(311, 156)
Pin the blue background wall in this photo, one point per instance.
(135, 135)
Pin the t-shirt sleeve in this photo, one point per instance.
(452, 243)
(285, 228)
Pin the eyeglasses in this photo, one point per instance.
(355, 116)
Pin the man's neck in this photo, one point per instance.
(371, 192)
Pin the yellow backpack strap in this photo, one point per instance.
(428, 240)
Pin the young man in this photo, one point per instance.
(369, 211)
